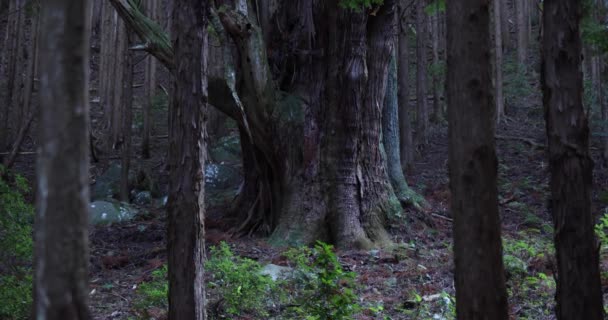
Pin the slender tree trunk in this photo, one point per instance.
(498, 51)
(579, 293)
(479, 273)
(126, 102)
(390, 139)
(406, 144)
(187, 153)
(18, 62)
(152, 8)
(522, 33)
(118, 81)
(505, 25)
(106, 75)
(62, 203)
(422, 109)
(436, 80)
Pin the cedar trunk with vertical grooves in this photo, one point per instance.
(406, 146)
(186, 208)
(62, 203)
(422, 110)
(479, 274)
(579, 294)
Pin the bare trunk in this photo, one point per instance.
(187, 131)
(126, 102)
(505, 25)
(436, 116)
(498, 50)
(579, 292)
(522, 33)
(150, 87)
(118, 81)
(406, 144)
(63, 163)
(422, 109)
(479, 274)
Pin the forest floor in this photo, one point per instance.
(414, 280)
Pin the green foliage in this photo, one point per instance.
(324, 290)
(435, 7)
(600, 231)
(593, 32)
(524, 259)
(359, 4)
(154, 293)
(516, 83)
(16, 247)
(16, 295)
(239, 282)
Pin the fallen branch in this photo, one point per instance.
(12, 156)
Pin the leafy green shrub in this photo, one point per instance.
(240, 283)
(324, 290)
(16, 247)
(154, 293)
(600, 231)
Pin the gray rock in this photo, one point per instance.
(108, 184)
(276, 272)
(143, 198)
(108, 212)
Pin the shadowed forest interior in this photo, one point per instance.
(303, 159)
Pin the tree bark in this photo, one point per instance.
(61, 277)
(579, 293)
(126, 110)
(422, 109)
(150, 87)
(498, 52)
(187, 154)
(522, 33)
(390, 141)
(479, 274)
(406, 145)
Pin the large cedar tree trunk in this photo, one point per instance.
(318, 170)
(479, 274)
(186, 207)
(579, 294)
(62, 203)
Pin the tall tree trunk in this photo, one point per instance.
(479, 274)
(422, 109)
(150, 86)
(187, 153)
(106, 74)
(436, 80)
(579, 293)
(118, 80)
(406, 145)
(522, 33)
(61, 277)
(505, 25)
(300, 170)
(390, 140)
(498, 51)
(13, 41)
(126, 102)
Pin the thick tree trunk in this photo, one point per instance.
(479, 274)
(579, 293)
(150, 87)
(63, 163)
(406, 145)
(300, 181)
(422, 109)
(187, 153)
